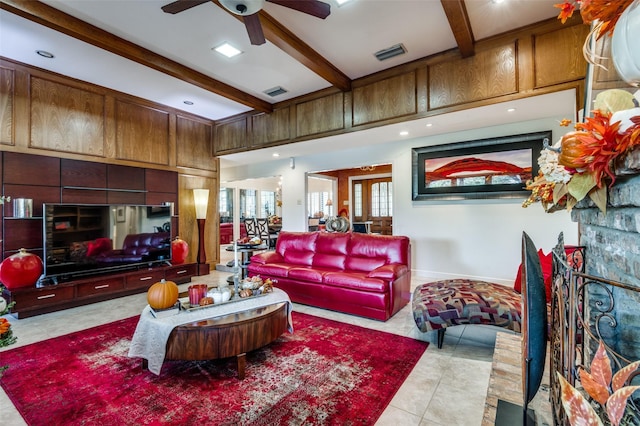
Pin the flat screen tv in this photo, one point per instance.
(87, 239)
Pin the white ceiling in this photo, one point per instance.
(347, 39)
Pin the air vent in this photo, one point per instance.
(390, 52)
(276, 91)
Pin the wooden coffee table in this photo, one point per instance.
(227, 336)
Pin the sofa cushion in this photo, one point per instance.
(368, 252)
(354, 280)
(331, 250)
(297, 248)
(306, 274)
(270, 269)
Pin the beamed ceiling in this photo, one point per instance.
(136, 48)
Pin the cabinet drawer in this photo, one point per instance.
(42, 296)
(100, 287)
(144, 279)
(180, 272)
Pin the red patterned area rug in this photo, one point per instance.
(325, 373)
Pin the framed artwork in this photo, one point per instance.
(484, 168)
(120, 215)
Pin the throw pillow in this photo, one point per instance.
(546, 261)
(100, 245)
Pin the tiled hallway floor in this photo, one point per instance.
(447, 386)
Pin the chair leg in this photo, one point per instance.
(441, 332)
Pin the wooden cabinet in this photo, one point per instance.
(89, 187)
(33, 301)
(179, 272)
(99, 287)
(143, 279)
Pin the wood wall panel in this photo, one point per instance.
(84, 196)
(194, 144)
(83, 173)
(556, 60)
(39, 194)
(230, 136)
(142, 133)
(65, 118)
(125, 177)
(270, 128)
(7, 96)
(320, 115)
(389, 98)
(606, 78)
(25, 169)
(187, 220)
(488, 74)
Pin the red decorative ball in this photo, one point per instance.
(179, 251)
(20, 270)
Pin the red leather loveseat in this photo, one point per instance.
(360, 274)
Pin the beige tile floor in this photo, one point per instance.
(447, 386)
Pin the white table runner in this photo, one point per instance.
(150, 338)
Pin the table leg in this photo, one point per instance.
(242, 362)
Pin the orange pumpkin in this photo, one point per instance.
(573, 153)
(163, 294)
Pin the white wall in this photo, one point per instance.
(472, 238)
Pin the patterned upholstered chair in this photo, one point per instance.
(441, 304)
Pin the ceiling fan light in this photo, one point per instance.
(242, 7)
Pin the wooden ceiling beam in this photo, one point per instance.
(456, 12)
(291, 44)
(50, 17)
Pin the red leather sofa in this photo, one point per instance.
(138, 248)
(226, 232)
(360, 274)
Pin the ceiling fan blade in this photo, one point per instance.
(310, 7)
(181, 5)
(254, 29)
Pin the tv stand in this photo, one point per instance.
(57, 295)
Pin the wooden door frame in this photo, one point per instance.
(363, 177)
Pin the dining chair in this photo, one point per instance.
(251, 227)
(262, 225)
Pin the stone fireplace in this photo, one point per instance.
(612, 244)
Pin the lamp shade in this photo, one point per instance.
(201, 200)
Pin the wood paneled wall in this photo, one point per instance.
(48, 114)
(538, 59)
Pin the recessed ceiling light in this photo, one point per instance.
(187, 102)
(45, 54)
(429, 124)
(404, 133)
(227, 50)
(511, 110)
(275, 154)
(497, 1)
(341, 2)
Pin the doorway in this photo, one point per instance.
(372, 201)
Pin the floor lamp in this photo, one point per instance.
(201, 201)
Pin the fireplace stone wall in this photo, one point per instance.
(612, 244)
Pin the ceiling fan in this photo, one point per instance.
(249, 9)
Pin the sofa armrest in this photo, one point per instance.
(267, 257)
(388, 272)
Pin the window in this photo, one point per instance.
(225, 204)
(248, 203)
(317, 203)
(357, 199)
(268, 202)
(381, 199)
